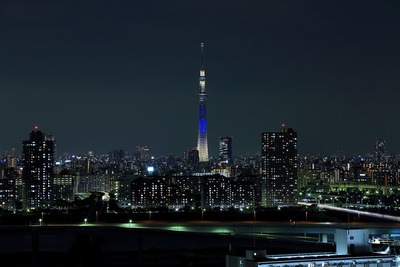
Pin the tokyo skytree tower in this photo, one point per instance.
(202, 145)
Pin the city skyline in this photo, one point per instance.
(111, 76)
(13, 151)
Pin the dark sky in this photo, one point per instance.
(104, 75)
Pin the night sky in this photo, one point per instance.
(104, 75)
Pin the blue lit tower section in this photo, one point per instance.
(202, 145)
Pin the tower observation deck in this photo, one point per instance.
(202, 145)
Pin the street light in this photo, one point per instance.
(85, 220)
(202, 214)
(130, 221)
(40, 222)
(348, 215)
(254, 215)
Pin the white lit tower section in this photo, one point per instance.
(202, 145)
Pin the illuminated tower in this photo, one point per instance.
(202, 145)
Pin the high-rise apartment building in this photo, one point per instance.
(225, 150)
(202, 145)
(279, 167)
(37, 172)
(215, 191)
(63, 186)
(8, 194)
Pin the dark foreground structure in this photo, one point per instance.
(353, 249)
(53, 241)
(118, 246)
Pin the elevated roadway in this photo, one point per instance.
(358, 212)
(214, 227)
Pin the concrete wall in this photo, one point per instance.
(352, 241)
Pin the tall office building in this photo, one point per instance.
(202, 145)
(225, 150)
(117, 160)
(279, 167)
(37, 172)
(192, 156)
(142, 153)
(380, 150)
